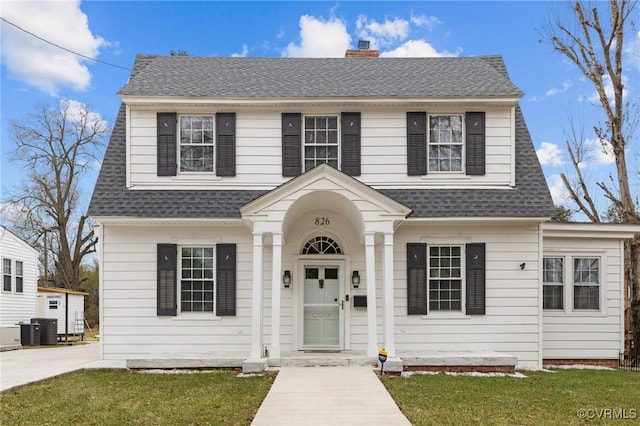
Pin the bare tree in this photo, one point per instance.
(57, 146)
(596, 46)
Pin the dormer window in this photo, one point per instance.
(320, 141)
(196, 143)
(445, 143)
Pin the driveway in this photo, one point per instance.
(24, 366)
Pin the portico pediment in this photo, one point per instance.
(325, 188)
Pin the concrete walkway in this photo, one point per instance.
(24, 366)
(328, 396)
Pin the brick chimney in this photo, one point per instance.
(362, 51)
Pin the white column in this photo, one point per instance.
(256, 307)
(370, 258)
(387, 295)
(276, 283)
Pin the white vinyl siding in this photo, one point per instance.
(18, 306)
(259, 150)
(586, 333)
(130, 326)
(510, 324)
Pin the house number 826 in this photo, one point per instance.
(322, 221)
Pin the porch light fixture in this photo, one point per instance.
(523, 265)
(286, 279)
(355, 279)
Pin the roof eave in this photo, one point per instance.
(132, 100)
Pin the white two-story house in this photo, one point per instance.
(253, 210)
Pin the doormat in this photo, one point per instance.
(322, 351)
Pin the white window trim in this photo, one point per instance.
(11, 275)
(449, 173)
(564, 283)
(569, 310)
(189, 315)
(15, 286)
(600, 283)
(188, 174)
(339, 136)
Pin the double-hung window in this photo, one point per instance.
(6, 274)
(586, 283)
(320, 141)
(445, 144)
(196, 283)
(445, 278)
(19, 277)
(553, 283)
(196, 143)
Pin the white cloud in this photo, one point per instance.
(243, 54)
(550, 154)
(558, 191)
(554, 91)
(608, 90)
(417, 49)
(40, 64)
(382, 33)
(602, 149)
(78, 113)
(320, 39)
(425, 21)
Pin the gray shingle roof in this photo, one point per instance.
(317, 77)
(530, 197)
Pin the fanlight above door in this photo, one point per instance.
(321, 245)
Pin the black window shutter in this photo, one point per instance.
(167, 267)
(416, 279)
(167, 161)
(416, 143)
(350, 124)
(226, 279)
(291, 144)
(475, 272)
(475, 136)
(226, 144)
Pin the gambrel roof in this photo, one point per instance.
(481, 77)
(169, 76)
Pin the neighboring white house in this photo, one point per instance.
(252, 210)
(67, 306)
(19, 281)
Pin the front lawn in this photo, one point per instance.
(121, 397)
(559, 398)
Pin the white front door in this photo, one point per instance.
(322, 307)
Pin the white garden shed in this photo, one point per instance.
(67, 306)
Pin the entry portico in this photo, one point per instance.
(328, 219)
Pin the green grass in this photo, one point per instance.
(540, 399)
(121, 397)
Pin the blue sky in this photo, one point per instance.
(34, 72)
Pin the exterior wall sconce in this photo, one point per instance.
(286, 279)
(355, 279)
(523, 265)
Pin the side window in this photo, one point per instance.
(196, 143)
(320, 141)
(586, 283)
(19, 277)
(553, 283)
(6, 274)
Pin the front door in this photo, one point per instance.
(322, 307)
